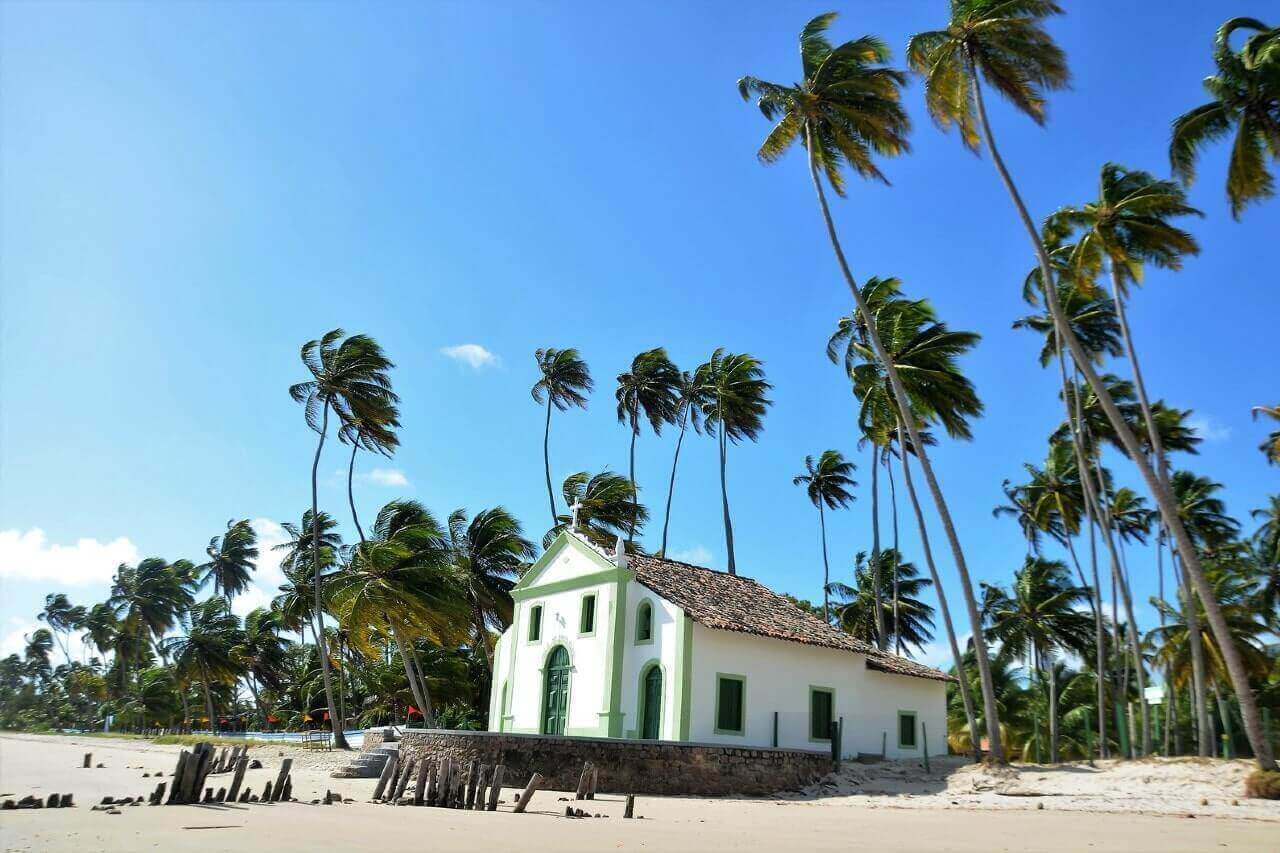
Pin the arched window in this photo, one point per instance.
(644, 623)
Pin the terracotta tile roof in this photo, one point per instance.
(883, 662)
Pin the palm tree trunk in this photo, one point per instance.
(546, 461)
(1224, 714)
(671, 486)
(1171, 708)
(897, 575)
(1155, 484)
(992, 712)
(186, 708)
(339, 739)
(482, 637)
(826, 566)
(963, 681)
(351, 500)
(1071, 401)
(875, 547)
(1053, 713)
(428, 713)
(257, 702)
(208, 700)
(724, 496)
(635, 495)
(1204, 728)
(409, 670)
(1135, 651)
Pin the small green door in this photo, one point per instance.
(652, 709)
(555, 694)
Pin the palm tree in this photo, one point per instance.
(1245, 96)
(734, 401)
(36, 649)
(565, 381)
(651, 387)
(204, 650)
(260, 654)
(349, 378)
(1005, 42)
(401, 583)
(62, 618)
(1035, 620)
(1270, 446)
(856, 610)
(231, 559)
(147, 600)
(606, 508)
(828, 483)
(687, 413)
(487, 553)
(1266, 545)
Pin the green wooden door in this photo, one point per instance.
(555, 693)
(651, 724)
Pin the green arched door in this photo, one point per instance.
(651, 704)
(555, 692)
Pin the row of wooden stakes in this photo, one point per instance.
(196, 766)
(445, 783)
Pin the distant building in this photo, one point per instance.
(632, 646)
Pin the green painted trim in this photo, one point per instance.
(564, 540)
(684, 675)
(601, 578)
(644, 670)
(915, 721)
(612, 714)
(722, 676)
(636, 633)
(830, 691)
(595, 612)
(535, 620)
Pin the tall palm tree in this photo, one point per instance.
(62, 618)
(564, 381)
(855, 610)
(734, 401)
(260, 654)
(373, 430)
(231, 559)
(1270, 446)
(204, 649)
(349, 377)
(1245, 97)
(606, 508)
(36, 649)
(1036, 620)
(401, 583)
(147, 600)
(650, 387)
(1005, 42)
(829, 483)
(687, 413)
(488, 552)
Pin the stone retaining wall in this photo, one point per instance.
(626, 766)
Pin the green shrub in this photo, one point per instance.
(1262, 785)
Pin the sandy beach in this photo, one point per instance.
(888, 808)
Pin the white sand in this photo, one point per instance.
(883, 808)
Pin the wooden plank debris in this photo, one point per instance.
(535, 781)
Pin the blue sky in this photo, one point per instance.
(191, 191)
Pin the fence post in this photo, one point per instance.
(924, 734)
(775, 729)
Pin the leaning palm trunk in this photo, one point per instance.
(1071, 400)
(1159, 490)
(339, 740)
(635, 495)
(724, 496)
(208, 700)
(1199, 703)
(410, 672)
(546, 462)
(992, 712)
(897, 576)
(963, 680)
(351, 498)
(875, 547)
(671, 486)
(1053, 713)
(826, 566)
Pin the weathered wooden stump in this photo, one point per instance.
(287, 794)
(591, 783)
(53, 802)
(245, 794)
(630, 810)
(237, 779)
(222, 795)
(266, 792)
(420, 789)
(495, 788)
(281, 777)
(476, 803)
(67, 802)
(535, 781)
(88, 759)
(584, 779)
(388, 773)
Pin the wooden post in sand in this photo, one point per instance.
(419, 790)
(88, 759)
(630, 811)
(476, 803)
(404, 781)
(445, 780)
(591, 786)
(278, 791)
(468, 794)
(584, 779)
(183, 758)
(432, 781)
(535, 781)
(495, 788)
(924, 733)
(241, 765)
(388, 773)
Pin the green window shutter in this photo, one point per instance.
(820, 714)
(729, 705)
(644, 622)
(907, 729)
(587, 621)
(535, 623)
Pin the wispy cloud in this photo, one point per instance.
(392, 477)
(698, 555)
(14, 641)
(29, 556)
(1209, 428)
(472, 355)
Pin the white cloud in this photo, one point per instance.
(14, 641)
(30, 557)
(387, 477)
(1209, 429)
(473, 355)
(698, 555)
